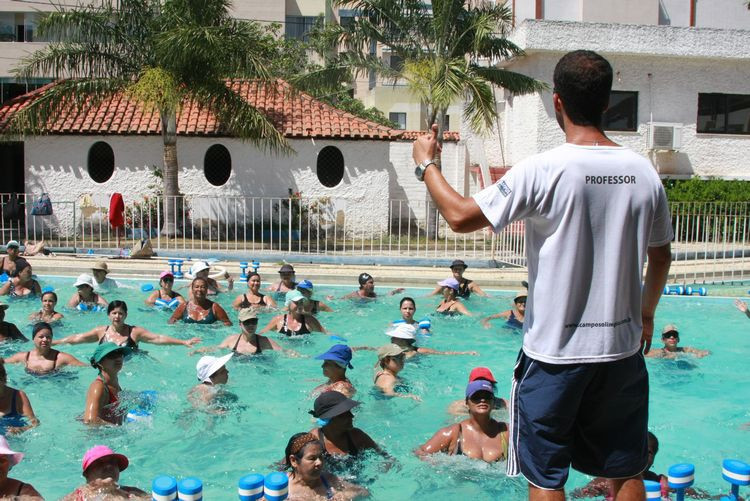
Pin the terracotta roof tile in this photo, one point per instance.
(297, 114)
(411, 135)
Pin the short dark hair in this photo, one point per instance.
(405, 299)
(117, 304)
(40, 326)
(50, 293)
(583, 80)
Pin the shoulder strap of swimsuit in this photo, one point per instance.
(329, 491)
(322, 438)
(54, 360)
(26, 361)
(234, 348)
(459, 450)
(13, 409)
(21, 484)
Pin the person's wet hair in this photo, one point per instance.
(251, 275)
(38, 327)
(50, 293)
(583, 80)
(405, 299)
(21, 264)
(116, 304)
(652, 440)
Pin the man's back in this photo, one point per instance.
(589, 212)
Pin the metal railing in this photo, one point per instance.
(712, 240)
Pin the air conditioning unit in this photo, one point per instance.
(664, 136)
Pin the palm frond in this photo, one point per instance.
(68, 60)
(515, 83)
(479, 109)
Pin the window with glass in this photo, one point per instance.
(396, 62)
(723, 113)
(398, 118)
(622, 114)
(346, 17)
(299, 26)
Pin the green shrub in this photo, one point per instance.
(706, 190)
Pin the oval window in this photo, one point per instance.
(101, 162)
(217, 165)
(330, 166)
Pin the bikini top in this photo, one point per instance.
(288, 332)
(129, 342)
(257, 352)
(31, 371)
(109, 412)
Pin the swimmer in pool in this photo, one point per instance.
(450, 305)
(247, 342)
(101, 469)
(102, 282)
(296, 322)
(9, 331)
(23, 284)
(465, 286)
(122, 334)
(85, 298)
(308, 480)
(253, 298)
(286, 281)
(366, 289)
(479, 436)
(202, 269)
(742, 306)
(405, 336)
(408, 308)
(47, 313)
(670, 337)
(513, 317)
(310, 305)
(199, 309)
(103, 395)
(212, 374)
(166, 296)
(335, 362)
(16, 413)
(391, 361)
(8, 263)
(459, 407)
(43, 359)
(10, 488)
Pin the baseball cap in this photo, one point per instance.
(286, 268)
(100, 265)
(84, 279)
(390, 350)
(519, 296)
(669, 328)
(458, 262)
(363, 278)
(293, 296)
(208, 365)
(105, 349)
(331, 404)
(481, 373)
(479, 385)
(339, 353)
(402, 330)
(449, 282)
(247, 314)
(102, 451)
(13, 243)
(305, 284)
(165, 274)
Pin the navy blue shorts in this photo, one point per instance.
(592, 416)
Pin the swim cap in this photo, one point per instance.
(363, 278)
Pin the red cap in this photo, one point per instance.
(481, 373)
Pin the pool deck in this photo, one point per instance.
(343, 274)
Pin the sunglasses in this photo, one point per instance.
(670, 335)
(482, 395)
(249, 322)
(167, 279)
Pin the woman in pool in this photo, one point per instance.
(310, 305)
(308, 480)
(9, 331)
(459, 407)
(408, 308)
(202, 269)
(247, 342)
(85, 299)
(336, 431)
(286, 281)
(47, 313)
(404, 335)
(8, 263)
(43, 359)
(366, 289)
(335, 362)
(101, 469)
(253, 298)
(296, 322)
(122, 334)
(10, 488)
(450, 305)
(391, 359)
(23, 284)
(103, 395)
(165, 297)
(199, 309)
(670, 336)
(513, 317)
(16, 413)
(212, 374)
(465, 286)
(479, 436)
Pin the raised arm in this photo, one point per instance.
(440, 442)
(473, 287)
(221, 314)
(430, 351)
(657, 271)
(85, 337)
(64, 359)
(486, 320)
(141, 334)
(16, 358)
(178, 312)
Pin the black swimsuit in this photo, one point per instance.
(247, 304)
(288, 332)
(463, 289)
(128, 343)
(54, 363)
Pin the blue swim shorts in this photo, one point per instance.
(592, 416)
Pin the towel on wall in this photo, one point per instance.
(116, 211)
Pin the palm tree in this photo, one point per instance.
(449, 49)
(161, 52)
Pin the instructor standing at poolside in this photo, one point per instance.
(580, 388)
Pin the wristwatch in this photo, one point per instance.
(422, 167)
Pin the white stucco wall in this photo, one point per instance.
(669, 94)
(376, 175)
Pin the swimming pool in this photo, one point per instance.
(697, 406)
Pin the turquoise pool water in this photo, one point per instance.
(697, 406)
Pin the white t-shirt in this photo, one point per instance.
(106, 285)
(590, 213)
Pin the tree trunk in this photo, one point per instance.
(432, 214)
(172, 200)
